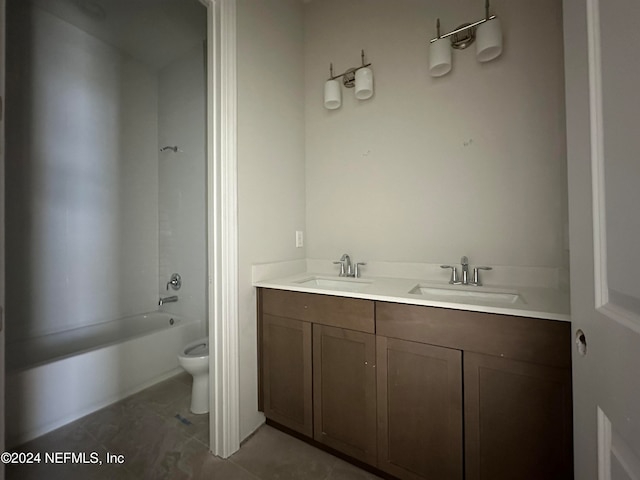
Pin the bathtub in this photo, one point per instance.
(54, 379)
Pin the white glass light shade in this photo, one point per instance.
(489, 40)
(440, 57)
(364, 83)
(332, 95)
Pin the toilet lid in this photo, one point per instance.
(197, 350)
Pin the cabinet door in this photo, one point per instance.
(419, 410)
(517, 420)
(344, 391)
(286, 372)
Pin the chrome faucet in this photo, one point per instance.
(171, 299)
(464, 261)
(345, 265)
(347, 269)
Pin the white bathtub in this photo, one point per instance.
(55, 379)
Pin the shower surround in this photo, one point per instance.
(98, 218)
(82, 178)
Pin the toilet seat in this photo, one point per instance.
(196, 349)
(201, 349)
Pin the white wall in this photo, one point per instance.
(429, 169)
(81, 178)
(182, 178)
(271, 199)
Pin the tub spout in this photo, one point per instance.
(171, 299)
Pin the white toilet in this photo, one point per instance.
(194, 358)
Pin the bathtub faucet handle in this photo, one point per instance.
(175, 282)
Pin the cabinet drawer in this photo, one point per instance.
(545, 342)
(350, 313)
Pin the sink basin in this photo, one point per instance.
(463, 293)
(330, 283)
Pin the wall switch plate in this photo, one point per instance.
(299, 239)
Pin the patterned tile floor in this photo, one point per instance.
(160, 439)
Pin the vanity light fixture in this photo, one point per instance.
(359, 77)
(487, 32)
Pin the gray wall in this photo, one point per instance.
(429, 169)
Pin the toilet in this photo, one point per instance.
(194, 358)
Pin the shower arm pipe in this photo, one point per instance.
(462, 29)
(174, 148)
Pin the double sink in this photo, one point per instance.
(436, 292)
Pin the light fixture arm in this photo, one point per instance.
(350, 72)
(463, 28)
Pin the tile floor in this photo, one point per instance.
(161, 439)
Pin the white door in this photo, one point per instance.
(602, 69)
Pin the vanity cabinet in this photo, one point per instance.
(419, 392)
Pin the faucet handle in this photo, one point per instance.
(476, 275)
(356, 272)
(454, 274)
(341, 263)
(175, 282)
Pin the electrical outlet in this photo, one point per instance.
(299, 239)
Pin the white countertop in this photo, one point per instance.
(535, 302)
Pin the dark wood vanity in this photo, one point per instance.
(419, 392)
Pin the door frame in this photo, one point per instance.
(222, 228)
